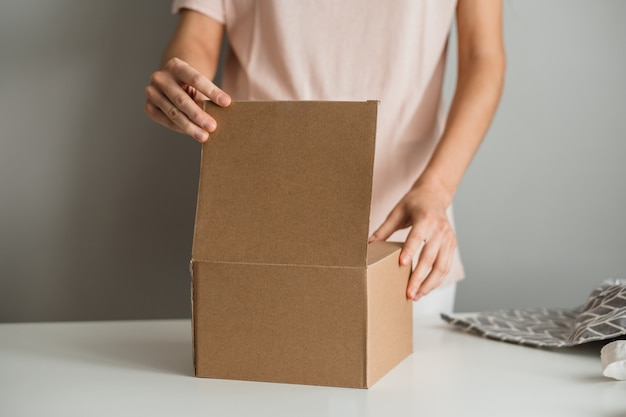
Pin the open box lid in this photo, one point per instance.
(287, 182)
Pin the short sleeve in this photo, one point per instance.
(212, 8)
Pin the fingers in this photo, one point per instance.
(423, 209)
(433, 265)
(176, 104)
(157, 115)
(162, 111)
(395, 221)
(173, 99)
(440, 268)
(417, 238)
(433, 238)
(186, 74)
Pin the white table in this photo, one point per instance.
(144, 368)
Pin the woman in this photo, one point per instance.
(356, 50)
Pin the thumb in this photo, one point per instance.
(393, 222)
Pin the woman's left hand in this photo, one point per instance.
(423, 209)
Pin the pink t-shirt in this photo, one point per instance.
(348, 50)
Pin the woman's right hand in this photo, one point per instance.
(174, 99)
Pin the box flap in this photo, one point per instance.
(378, 250)
(287, 182)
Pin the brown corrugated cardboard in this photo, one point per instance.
(285, 287)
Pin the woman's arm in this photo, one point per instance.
(176, 91)
(481, 65)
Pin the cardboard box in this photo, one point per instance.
(285, 287)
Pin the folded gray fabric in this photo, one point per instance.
(603, 317)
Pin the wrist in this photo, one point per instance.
(436, 187)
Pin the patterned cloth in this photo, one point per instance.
(603, 317)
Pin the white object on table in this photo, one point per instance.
(144, 368)
(613, 357)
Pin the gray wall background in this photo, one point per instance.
(97, 203)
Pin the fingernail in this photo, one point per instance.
(417, 297)
(202, 136)
(412, 292)
(222, 100)
(210, 126)
(371, 239)
(405, 260)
